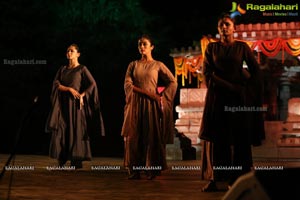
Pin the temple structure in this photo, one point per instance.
(277, 49)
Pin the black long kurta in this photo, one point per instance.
(230, 87)
(219, 123)
(69, 124)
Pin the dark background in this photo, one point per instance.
(107, 32)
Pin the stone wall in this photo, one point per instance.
(190, 111)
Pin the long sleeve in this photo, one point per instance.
(168, 95)
(207, 65)
(128, 125)
(92, 102)
(128, 82)
(54, 119)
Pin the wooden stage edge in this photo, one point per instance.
(105, 178)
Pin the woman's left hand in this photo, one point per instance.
(81, 100)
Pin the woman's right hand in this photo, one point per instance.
(75, 93)
(154, 96)
(157, 98)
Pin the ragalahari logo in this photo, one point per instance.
(236, 10)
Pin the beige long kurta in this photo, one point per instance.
(147, 127)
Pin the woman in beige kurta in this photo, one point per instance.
(148, 116)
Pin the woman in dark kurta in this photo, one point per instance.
(75, 112)
(148, 116)
(228, 134)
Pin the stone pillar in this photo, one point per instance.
(284, 96)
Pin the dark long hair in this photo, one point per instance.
(76, 47)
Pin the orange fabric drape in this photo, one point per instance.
(269, 47)
(292, 46)
(189, 67)
(272, 47)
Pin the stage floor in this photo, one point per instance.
(35, 177)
